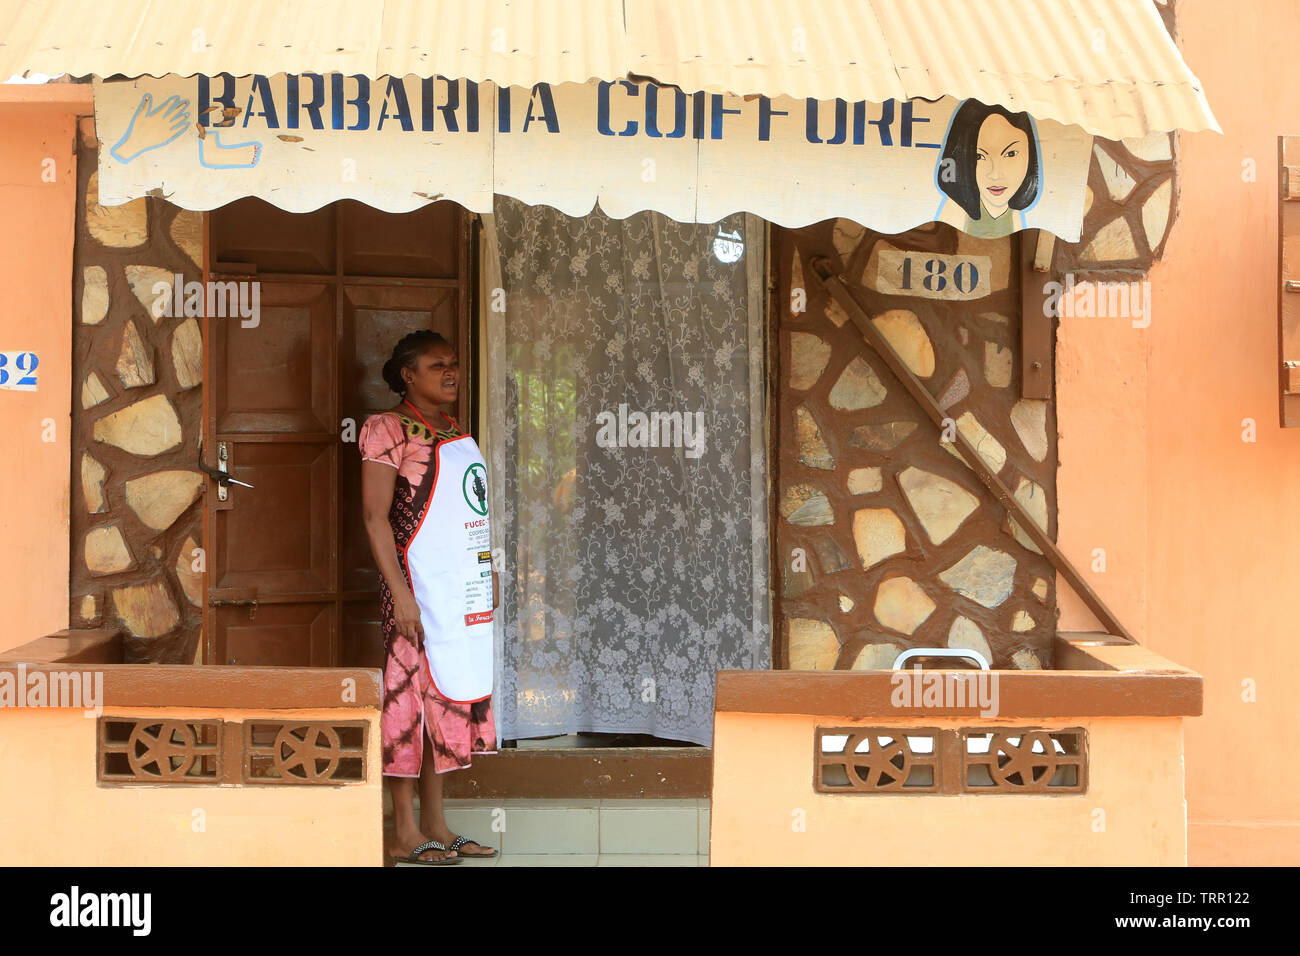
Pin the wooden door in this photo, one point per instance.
(291, 580)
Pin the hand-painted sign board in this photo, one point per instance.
(302, 140)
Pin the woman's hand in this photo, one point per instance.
(406, 616)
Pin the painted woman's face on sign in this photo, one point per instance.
(1001, 162)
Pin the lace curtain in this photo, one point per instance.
(635, 551)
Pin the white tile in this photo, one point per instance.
(548, 859)
(649, 829)
(530, 829)
(704, 831)
(648, 859)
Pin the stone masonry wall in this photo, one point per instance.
(136, 510)
(885, 538)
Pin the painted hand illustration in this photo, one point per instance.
(214, 154)
(152, 127)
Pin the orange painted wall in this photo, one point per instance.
(1131, 815)
(1200, 527)
(36, 279)
(70, 820)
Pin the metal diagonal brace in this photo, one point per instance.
(833, 282)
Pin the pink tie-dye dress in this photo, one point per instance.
(411, 702)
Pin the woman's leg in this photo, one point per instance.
(408, 835)
(432, 820)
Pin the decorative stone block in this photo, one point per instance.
(160, 498)
(958, 388)
(143, 280)
(134, 361)
(1118, 182)
(187, 233)
(997, 364)
(939, 504)
(812, 446)
(830, 556)
(1026, 660)
(901, 605)
(846, 235)
(984, 575)
(857, 387)
(813, 645)
(1021, 621)
(965, 633)
(795, 499)
(187, 354)
(94, 295)
(1155, 214)
(1029, 419)
(1032, 496)
(106, 551)
(1112, 243)
(92, 484)
(808, 357)
(118, 226)
(89, 609)
(884, 437)
(93, 391)
(1152, 148)
(846, 603)
(903, 330)
(876, 657)
(988, 447)
(864, 481)
(878, 534)
(147, 427)
(146, 610)
(1040, 589)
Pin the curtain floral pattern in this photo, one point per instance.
(635, 548)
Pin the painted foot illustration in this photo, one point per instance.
(215, 154)
(152, 127)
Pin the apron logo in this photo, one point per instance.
(474, 486)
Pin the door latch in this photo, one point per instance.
(223, 478)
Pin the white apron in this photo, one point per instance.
(450, 562)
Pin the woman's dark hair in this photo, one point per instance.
(410, 347)
(960, 147)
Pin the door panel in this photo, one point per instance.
(420, 244)
(278, 375)
(284, 634)
(255, 232)
(276, 536)
(291, 576)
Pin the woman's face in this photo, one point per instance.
(436, 375)
(1001, 162)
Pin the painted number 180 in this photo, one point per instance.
(965, 276)
(18, 371)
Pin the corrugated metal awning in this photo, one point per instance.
(1108, 66)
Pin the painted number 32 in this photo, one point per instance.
(18, 370)
(964, 276)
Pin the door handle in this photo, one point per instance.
(223, 478)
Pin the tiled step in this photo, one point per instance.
(588, 828)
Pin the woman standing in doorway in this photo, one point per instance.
(424, 491)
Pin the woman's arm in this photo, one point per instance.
(377, 483)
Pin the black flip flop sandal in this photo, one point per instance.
(460, 841)
(414, 856)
